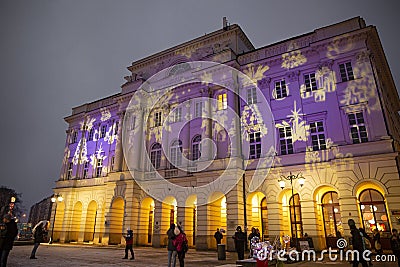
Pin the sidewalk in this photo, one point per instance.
(90, 255)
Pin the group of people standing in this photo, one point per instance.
(177, 245)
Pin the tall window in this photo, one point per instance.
(177, 115)
(155, 155)
(112, 162)
(295, 216)
(251, 95)
(69, 170)
(310, 82)
(346, 72)
(196, 154)
(91, 134)
(373, 211)
(357, 128)
(74, 138)
(116, 128)
(317, 135)
(222, 101)
(285, 140)
(198, 109)
(157, 119)
(331, 213)
(103, 131)
(85, 169)
(99, 167)
(176, 153)
(280, 89)
(255, 145)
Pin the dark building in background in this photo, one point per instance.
(40, 211)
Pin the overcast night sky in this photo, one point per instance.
(55, 55)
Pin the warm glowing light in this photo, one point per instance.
(368, 216)
(384, 217)
(13, 199)
(375, 208)
(335, 210)
(371, 221)
(60, 198)
(302, 181)
(53, 199)
(362, 207)
(282, 184)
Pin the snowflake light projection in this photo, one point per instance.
(99, 155)
(105, 114)
(293, 59)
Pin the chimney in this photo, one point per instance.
(224, 23)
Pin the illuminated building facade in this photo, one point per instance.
(335, 120)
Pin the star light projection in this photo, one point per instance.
(300, 130)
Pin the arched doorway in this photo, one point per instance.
(332, 218)
(257, 213)
(146, 222)
(116, 221)
(296, 223)
(76, 222)
(90, 224)
(216, 219)
(190, 223)
(58, 224)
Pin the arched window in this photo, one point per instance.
(155, 155)
(196, 154)
(332, 218)
(176, 153)
(373, 211)
(331, 212)
(295, 216)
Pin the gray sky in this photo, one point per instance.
(55, 55)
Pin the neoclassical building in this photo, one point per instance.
(205, 146)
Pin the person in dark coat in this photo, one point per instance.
(395, 244)
(129, 244)
(8, 233)
(218, 236)
(357, 242)
(171, 248)
(39, 234)
(240, 240)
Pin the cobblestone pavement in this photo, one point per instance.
(70, 255)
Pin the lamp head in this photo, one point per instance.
(282, 184)
(302, 180)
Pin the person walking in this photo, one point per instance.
(240, 240)
(129, 244)
(9, 231)
(171, 248)
(357, 242)
(395, 244)
(39, 235)
(181, 244)
(377, 242)
(218, 236)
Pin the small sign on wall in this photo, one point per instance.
(396, 214)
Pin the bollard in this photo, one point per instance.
(221, 252)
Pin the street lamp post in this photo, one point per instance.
(56, 198)
(282, 185)
(12, 204)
